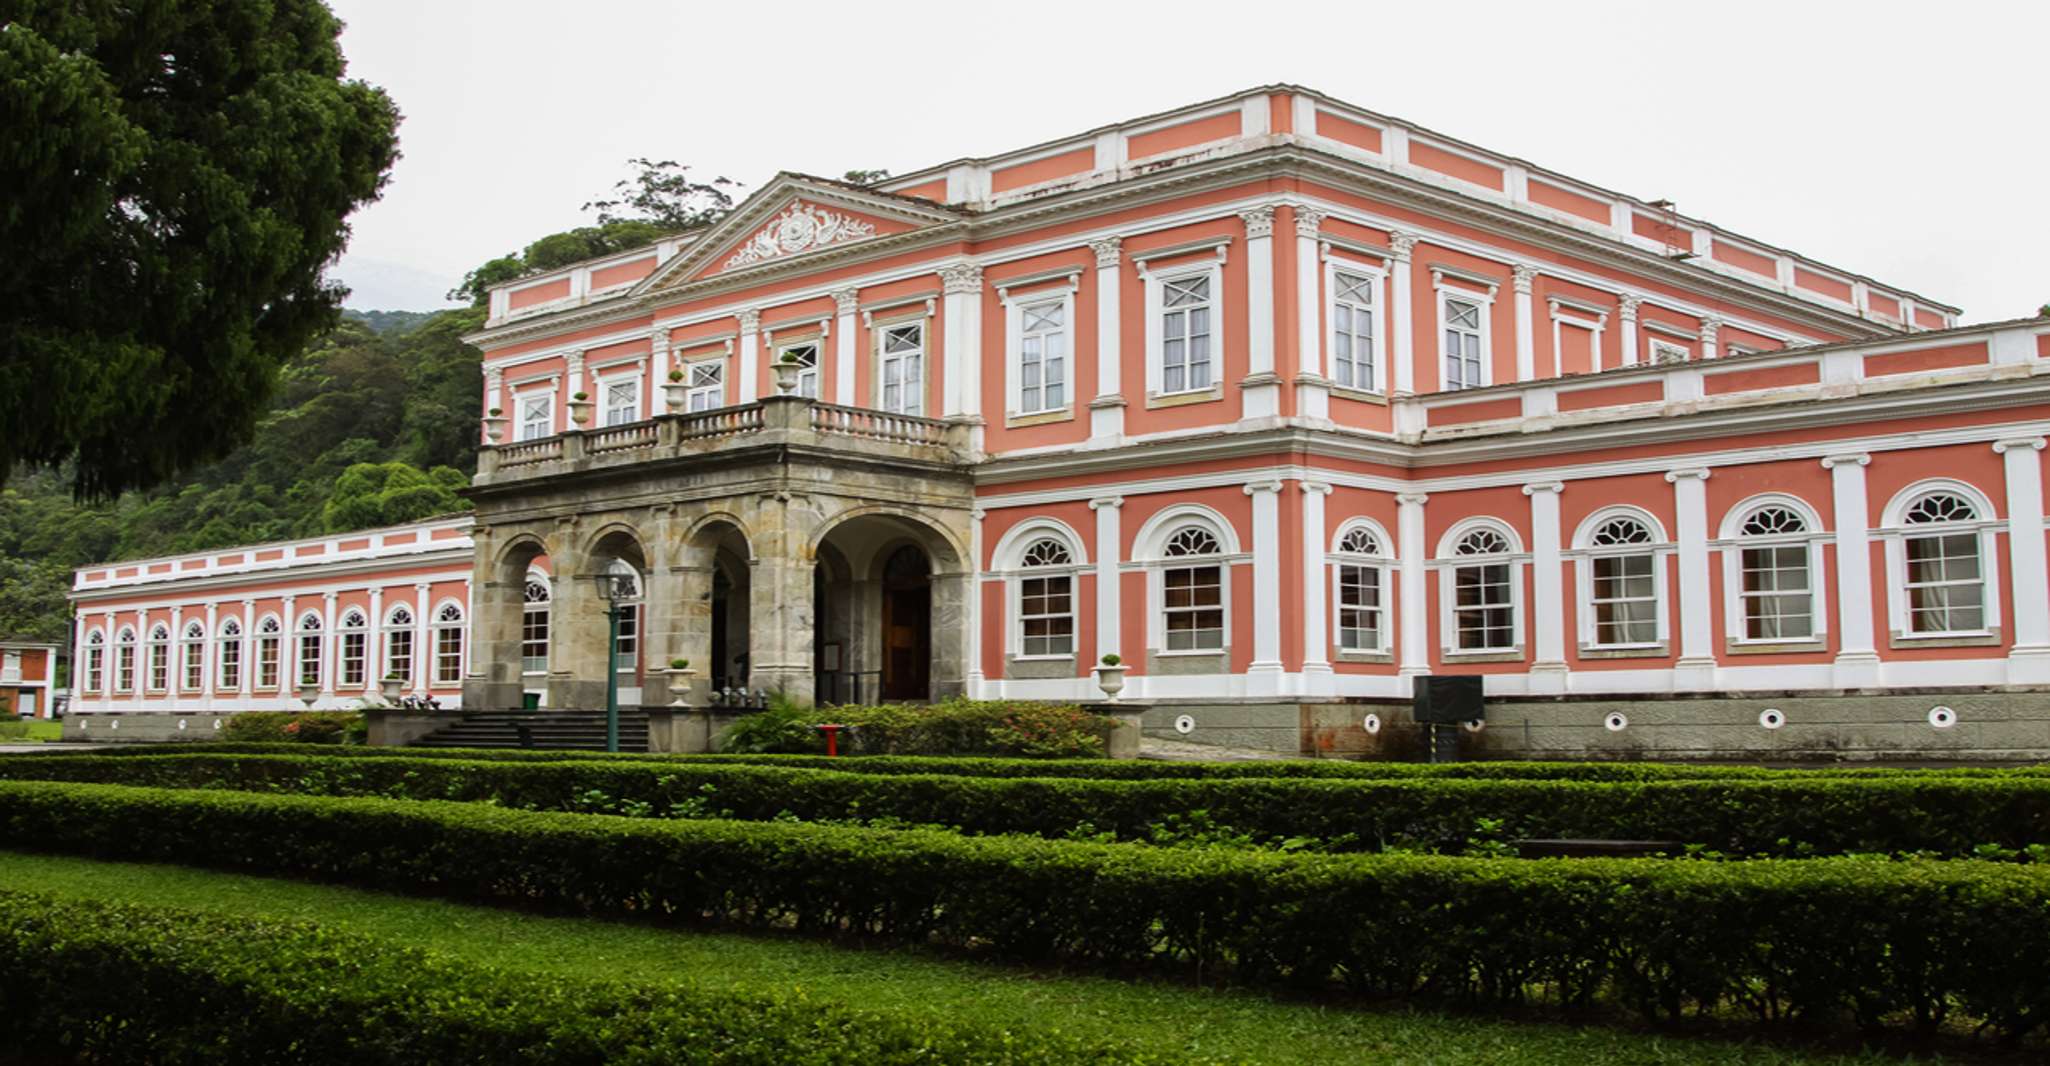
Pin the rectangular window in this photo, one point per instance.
(707, 383)
(309, 658)
(95, 668)
(1625, 600)
(124, 668)
(1185, 315)
(1946, 589)
(903, 369)
(1043, 357)
(622, 401)
(231, 664)
(353, 647)
(195, 666)
(1193, 597)
(448, 655)
(1047, 614)
(1462, 344)
(1359, 608)
(1352, 331)
(534, 640)
(267, 663)
(537, 415)
(159, 667)
(1778, 604)
(1484, 615)
(398, 653)
(806, 356)
(629, 638)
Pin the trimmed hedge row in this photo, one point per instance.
(128, 984)
(1117, 769)
(1785, 816)
(1875, 943)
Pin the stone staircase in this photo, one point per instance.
(567, 730)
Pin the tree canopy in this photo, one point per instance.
(177, 176)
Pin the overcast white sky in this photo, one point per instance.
(1900, 140)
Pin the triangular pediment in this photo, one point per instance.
(791, 217)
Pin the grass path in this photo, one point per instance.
(1232, 1026)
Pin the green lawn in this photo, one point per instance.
(1231, 1026)
(30, 731)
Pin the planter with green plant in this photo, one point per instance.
(675, 393)
(389, 687)
(1110, 675)
(680, 675)
(494, 425)
(580, 407)
(787, 368)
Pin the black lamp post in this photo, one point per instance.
(617, 586)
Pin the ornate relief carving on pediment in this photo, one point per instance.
(798, 228)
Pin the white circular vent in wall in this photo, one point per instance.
(1473, 725)
(1942, 717)
(1615, 722)
(1771, 718)
(1185, 725)
(217, 723)
(115, 724)
(1372, 723)
(181, 725)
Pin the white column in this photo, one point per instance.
(494, 390)
(1411, 554)
(423, 655)
(1695, 669)
(575, 382)
(1107, 410)
(2028, 662)
(1317, 679)
(1857, 663)
(209, 655)
(1526, 329)
(288, 651)
(373, 632)
(141, 655)
(845, 301)
(1629, 337)
(1261, 390)
(1313, 387)
(973, 608)
(962, 284)
(1405, 333)
(1710, 348)
(248, 668)
(1548, 596)
(750, 354)
(174, 667)
(653, 402)
(1109, 553)
(1263, 677)
(107, 663)
(330, 647)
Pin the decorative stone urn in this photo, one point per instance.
(494, 428)
(786, 376)
(309, 694)
(1110, 677)
(580, 412)
(679, 686)
(675, 395)
(389, 688)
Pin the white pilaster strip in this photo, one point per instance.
(962, 284)
(423, 655)
(330, 646)
(750, 354)
(1630, 305)
(1261, 391)
(1109, 548)
(1526, 329)
(1405, 344)
(973, 607)
(2028, 662)
(1548, 600)
(248, 668)
(373, 654)
(1107, 410)
(1317, 679)
(1263, 676)
(845, 302)
(1857, 663)
(209, 656)
(1695, 669)
(1412, 553)
(1313, 392)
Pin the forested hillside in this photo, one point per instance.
(376, 423)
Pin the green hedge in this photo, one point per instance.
(1788, 816)
(295, 727)
(83, 981)
(1033, 729)
(1830, 941)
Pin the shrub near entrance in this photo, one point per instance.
(296, 727)
(951, 727)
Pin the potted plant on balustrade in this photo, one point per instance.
(787, 368)
(1110, 676)
(680, 675)
(676, 394)
(494, 425)
(580, 408)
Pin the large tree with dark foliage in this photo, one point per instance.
(176, 175)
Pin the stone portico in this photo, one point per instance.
(785, 545)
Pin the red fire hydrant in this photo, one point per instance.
(832, 732)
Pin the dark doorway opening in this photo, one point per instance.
(907, 625)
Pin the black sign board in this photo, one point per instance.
(1447, 700)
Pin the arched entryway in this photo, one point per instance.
(890, 593)
(906, 625)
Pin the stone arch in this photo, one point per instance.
(893, 586)
(708, 605)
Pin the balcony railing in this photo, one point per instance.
(720, 422)
(623, 438)
(532, 451)
(877, 425)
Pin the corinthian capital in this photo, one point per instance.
(961, 277)
(1309, 220)
(1259, 221)
(1107, 251)
(1402, 244)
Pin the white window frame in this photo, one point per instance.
(460, 625)
(270, 630)
(546, 610)
(228, 664)
(157, 663)
(1446, 564)
(1009, 568)
(1731, 543)
(192, 657)
(520, 410)
(1894, 533)
(299, 658)
(808, 377)
(96, 661)
(631, 375)
(125, 656)
(1015, 306)
(1483, 299)
(1377, 278)
(1156, 331)
(1584, 553)
(1336, 560)
(354, 623)
(1565, 314)
(883, 359)
(1149, 558)
(399, 621)
(708, 395)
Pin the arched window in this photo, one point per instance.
(124, 661)
(534, 626)
(269, 654)
(1776, 588)
(1622, 594)
(1483, 592)
(398, 644)
(159, 659)
(1046, 601)
(1192, 594)
(1943, 586)
(192, 657)
(1361, 558)
(228, 672)
(310, 649)
(95, 661)
(448, 644)
(355, 637)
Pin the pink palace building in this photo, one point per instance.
(1282, 401)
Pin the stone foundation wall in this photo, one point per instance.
(145, 726)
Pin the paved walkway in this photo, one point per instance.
(31, 749)
(1182, 751)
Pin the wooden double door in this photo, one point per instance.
(907, 626)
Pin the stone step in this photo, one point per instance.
(574, 730)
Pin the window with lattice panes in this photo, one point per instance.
(1775, 589)
(1192, 596)
(1945, 582)
(1046, 602)
(1464, 351)
(902, 369)
(269, 654)
(1624, 584)
(228, 673)
(1362, 611)
(192, 657)
(159, 659)
(537, 415)
(1352, 330)
(1043, 357)
(806, 358)
(448, 645)
(706, 383)
(398, 645)
(355, 640)
(310, 649)
(621, 400)
(95, 661)
(124, 662)
(534, 622)
(1483, 598)
(1187, 310)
